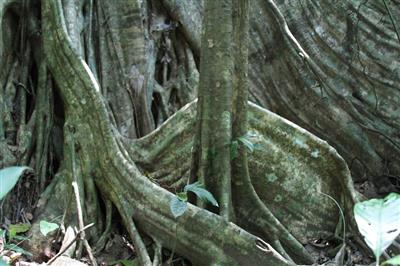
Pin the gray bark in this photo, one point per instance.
(92, 99)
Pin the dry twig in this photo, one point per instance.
(81, 226)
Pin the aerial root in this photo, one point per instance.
(296, 247)
(133, 232)
(269, 225)
(104, 236)
(157, 260)
(279, 236)
(277, 245)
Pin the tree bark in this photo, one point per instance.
(117, 177)
(351, 98)
(214, 114)
(87, 86)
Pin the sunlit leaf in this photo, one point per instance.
(177, 206)
(198, 189)
(9, 177)
(46, 227)
(15, 229)
(182, 196)
(378, 221)
(246, 142)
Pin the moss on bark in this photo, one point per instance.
(122, 68)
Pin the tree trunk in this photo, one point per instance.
(212, 159)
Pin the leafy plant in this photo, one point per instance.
(2, 262)
(178, 204)
(15, 229)
(245, 140)
(47, 227)
(393, 261)
(378, 221)
(198, 189)
(12, 232)
(9, 176)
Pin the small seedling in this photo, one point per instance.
(47, 227)
(178, 204)
(10, 237)
(378, 221)
(246, 141)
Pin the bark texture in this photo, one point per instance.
(212, 159)
(87, 87)
(351, 98)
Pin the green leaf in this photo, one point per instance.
(393, 261)
(15, 229)
(20, 238)
(2, 233)
(3, 262)
(9, 177)
(182, 196)
(46, 227)
(198, 189)
(178, 207)
(246, 142)
(18, 249)
(378, 221)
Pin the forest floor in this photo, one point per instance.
(119, 250)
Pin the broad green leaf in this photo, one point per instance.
(46, 227)
(378, 221)
(246, 142)
(9, 177)
(177, 207)
(15, 229)
(198, 189)
(3, 262)
(15, 248)
(393, 261)
(182, 196)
